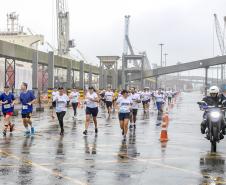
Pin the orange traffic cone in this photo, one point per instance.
(164, 135)
(165, 118)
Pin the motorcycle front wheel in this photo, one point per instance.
(213, 146)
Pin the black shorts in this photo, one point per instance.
(54, 103)
(92, 111)
(123, 116)
(108, 104)
(134, 112)
(27, 115)
(145, 102)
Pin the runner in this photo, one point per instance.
(135, 100)
(27, 100)
(124, 103)
(61, 107)
(74, 97)
(102, 98)
(146, 98)
(170, 96)
(7, 100)
(91, 109)
(159, 98)
(108, 100)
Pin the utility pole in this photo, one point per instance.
(165, 54)
(161, 45)
(165, 58)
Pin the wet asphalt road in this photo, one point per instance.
(105, 159)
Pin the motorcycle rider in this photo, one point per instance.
(212, 100)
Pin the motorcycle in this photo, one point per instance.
(214, 116)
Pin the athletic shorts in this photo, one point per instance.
(92, 111)
(108, 104)
(123, 116)
(159, 105)
(54, 103)
(134, 112)
(145, 102)
(28, 115)
(7, 114)
(114, 100)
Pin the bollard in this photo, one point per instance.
(165, 123)
(165, 118)
(164, 134)
(50, 93)
(81, 94)
(50, 90)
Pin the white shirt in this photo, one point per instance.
(54, 94)
(61, 102)
(90, 103)
(74, 97)
(146, 96)
(159, 98)
(135, 97)
(109, 96)
(170, 94)
(124, 104)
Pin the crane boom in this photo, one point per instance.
(220, 36)
(62, 27)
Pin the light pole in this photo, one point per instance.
(161, 45)
(165, 58)
(165, 54)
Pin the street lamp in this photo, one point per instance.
(161, 45)
(165, 58)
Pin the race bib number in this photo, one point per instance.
(75, 99)
(7, 106)
(61, 104)
(124, 109)
(24, 107)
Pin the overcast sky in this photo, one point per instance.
(184, 26)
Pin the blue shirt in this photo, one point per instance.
(7, 107)
(25, 98)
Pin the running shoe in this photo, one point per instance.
(27, 133)
(85, 132)
(32, 130)
(96, 130)
(122, 132)
(124, 137)
(11, 127)
(4, 132)
(131, 126)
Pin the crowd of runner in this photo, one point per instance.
(126, 102)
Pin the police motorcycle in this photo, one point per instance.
(213, 116)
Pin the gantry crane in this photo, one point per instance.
(221, 40)
(64, 44)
